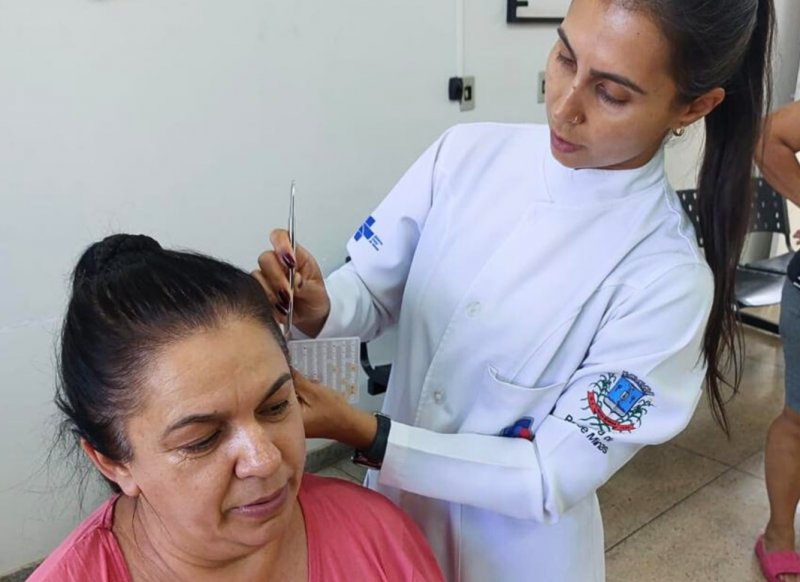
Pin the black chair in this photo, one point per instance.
(377, 376)
(770, 215)
(754, 287)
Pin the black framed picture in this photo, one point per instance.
(520, 11)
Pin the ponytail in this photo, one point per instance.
(725, 197)
(728, 44)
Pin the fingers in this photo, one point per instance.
(302, 399)
(274, 273)
(304, 389)
(300, 259)
(272, 297)
(274, 279)
(300, 382)
(279, 239)
(303, 382)
(309, 390)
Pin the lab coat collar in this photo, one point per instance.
(568, 186)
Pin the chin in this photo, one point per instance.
(261, 534)
(574, 161)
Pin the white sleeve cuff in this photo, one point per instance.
(495, 473)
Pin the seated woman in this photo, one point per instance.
(176, 384)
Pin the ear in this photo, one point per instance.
(115, 471)
(700, 107)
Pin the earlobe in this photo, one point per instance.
(113, 470)
(702, 106)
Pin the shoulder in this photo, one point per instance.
(90, 552)
(784, 125)
(345, 500)
(678, 277)
(666, 251)
(358, 531)
(680, 291)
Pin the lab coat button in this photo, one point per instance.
(473, 309)
(438, 397)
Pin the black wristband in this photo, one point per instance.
(372, 457)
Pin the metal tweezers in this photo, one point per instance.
(293, 242)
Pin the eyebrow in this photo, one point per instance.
(619, 79)
(204, 418)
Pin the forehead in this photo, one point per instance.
(612, 36)
(218, 369)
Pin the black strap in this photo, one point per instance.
(373, 456)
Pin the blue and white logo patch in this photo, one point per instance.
(365, 231)
(617, 404)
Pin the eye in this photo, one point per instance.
(203, 444)
(275, 410)
(565, 60)
(606, 96)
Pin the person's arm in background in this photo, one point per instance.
(776, 153)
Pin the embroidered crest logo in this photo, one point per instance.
(365, 231)
(617, 404)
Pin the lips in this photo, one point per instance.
(561, 145)
(264, 507)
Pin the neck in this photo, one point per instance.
(153, 553)
(636, 162)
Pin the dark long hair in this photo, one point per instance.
(728, 44)
(131, 298)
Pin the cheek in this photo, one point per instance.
(184, 490)
(196, 479)
(290, 439)
(630, 131)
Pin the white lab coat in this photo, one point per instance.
(522, 288)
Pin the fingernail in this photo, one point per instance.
(288, 260)
(285, 298)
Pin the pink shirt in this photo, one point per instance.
(353, 534)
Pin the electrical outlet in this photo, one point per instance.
(540, 87)
(468, 94)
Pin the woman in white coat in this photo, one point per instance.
(554, 311)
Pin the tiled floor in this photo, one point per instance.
(691, 510)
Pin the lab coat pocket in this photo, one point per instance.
(500, 403)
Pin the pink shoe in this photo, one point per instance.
(774, 564)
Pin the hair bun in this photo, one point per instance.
(113, 253)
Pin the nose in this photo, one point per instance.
(256, 454)
(568, 108)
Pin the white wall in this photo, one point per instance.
(186, 120)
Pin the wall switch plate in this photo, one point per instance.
(540, 88)
(468, 94)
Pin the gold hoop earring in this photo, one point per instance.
(679, 132)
